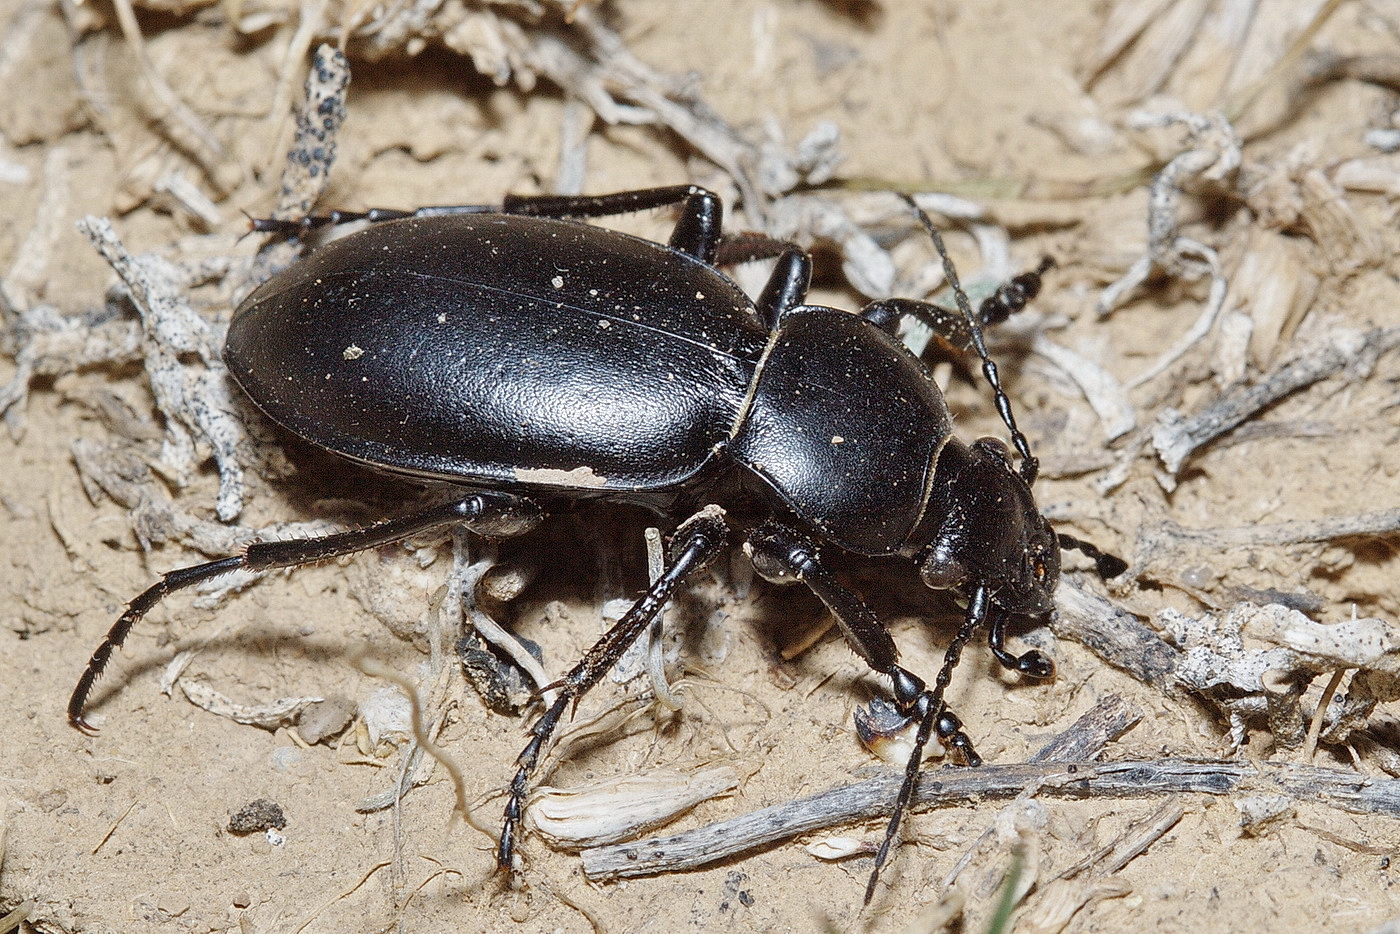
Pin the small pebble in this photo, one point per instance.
(258, 816)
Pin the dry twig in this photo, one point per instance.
(1115, 635)
(869, 799)
(1176, 437)
(1345, 790)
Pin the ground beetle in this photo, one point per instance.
(529, 357)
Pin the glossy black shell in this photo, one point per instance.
(548, 355)
(515, 350)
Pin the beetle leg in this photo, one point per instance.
(701, 224)
(1033, 664)
(486, 513)
(787, 286)
(372, 215)
(949, 325)
(783, 555)
(697, 232)
(1105, 565)
(1030, 466)
(608, 205)
(748, 246)
(622, 202)
(696, 543)
(934, 717)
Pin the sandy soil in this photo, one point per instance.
(128, 830)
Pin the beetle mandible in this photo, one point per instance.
(527, 357)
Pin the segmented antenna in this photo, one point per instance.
(1030, 465)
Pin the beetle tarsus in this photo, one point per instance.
(1014, 295)
(1033, 664)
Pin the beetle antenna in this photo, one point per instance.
(1105, 564)
(1030, 466)
(934, 717)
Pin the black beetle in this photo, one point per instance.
(529, 357)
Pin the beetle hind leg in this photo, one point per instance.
(487, 513)
(697, 232)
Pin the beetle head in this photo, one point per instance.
(982, 527)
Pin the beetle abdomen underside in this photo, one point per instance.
(390, 347)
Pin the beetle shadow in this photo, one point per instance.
(259, 641)
(921, 621)
(317, 484)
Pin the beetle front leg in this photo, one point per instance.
(934, 717)
(1033, 664)
(486, 513)
(696, 543)
(783, 555)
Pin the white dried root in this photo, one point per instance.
(611, 810)
(1207, 53)
(1212, 158)
(1105, 394)
(194, 399)
(1274, 289)
(1054, 904)
(270, 715)
(831, 849)
(52, 344)
(1009, 853)
(1256, 663)
(1253, 663)
(1347, 351)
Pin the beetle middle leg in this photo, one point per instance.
(698, 233)
(486, 513)
(695, 544)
